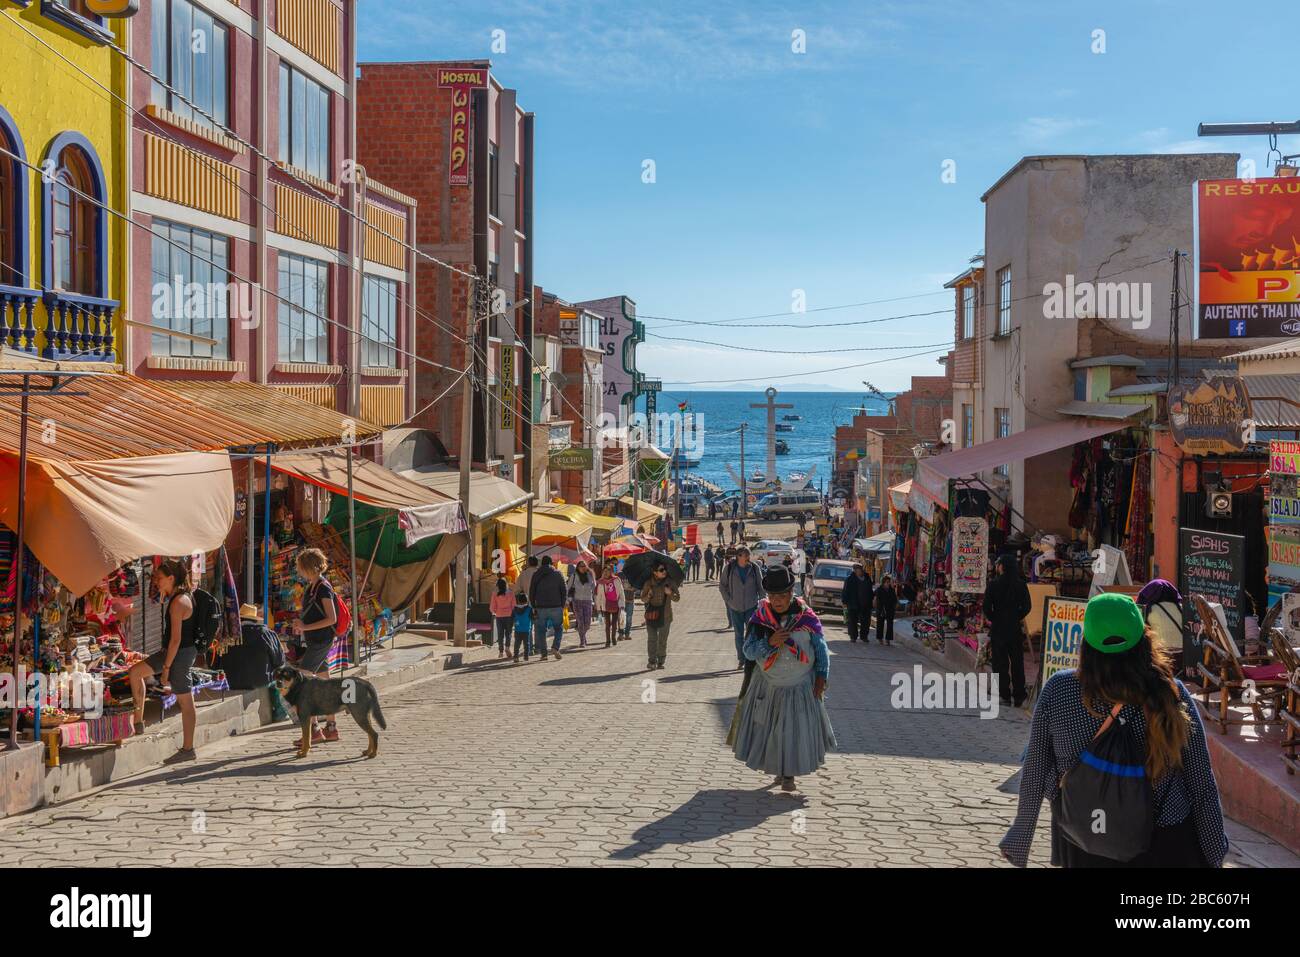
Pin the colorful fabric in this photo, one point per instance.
(230, 601)
(101, 730)
(805, 620)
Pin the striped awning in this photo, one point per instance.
(113, 416)
(289, 421)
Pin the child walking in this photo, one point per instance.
(523, 617)
(502, 607)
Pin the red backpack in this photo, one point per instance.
(342, 615)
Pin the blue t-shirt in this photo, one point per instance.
(523, 618)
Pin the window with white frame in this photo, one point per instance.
(379, 315)
(1004, 301)
(189, 50)
(191, 291)
(968, 312)
(1002, 418)
(304, 309)
(304, 123)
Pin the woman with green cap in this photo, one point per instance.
(1122, 676)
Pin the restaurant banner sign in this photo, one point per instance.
(1211, 417)
(1247, 254)
(460, 81)
(572, 460)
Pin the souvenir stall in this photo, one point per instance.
(83, 647)
(405, 535)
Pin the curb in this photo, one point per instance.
(239, 713)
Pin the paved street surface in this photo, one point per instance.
(571, 763)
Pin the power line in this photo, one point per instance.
(806, 352)
(120, 215)
(868, 322)
(214, 166)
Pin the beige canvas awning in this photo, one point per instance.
(425, 511)
(489, 495)
(84, 519)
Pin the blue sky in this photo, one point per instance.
(777, 171)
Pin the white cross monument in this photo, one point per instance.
(771, 405)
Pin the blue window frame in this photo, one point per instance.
(15, 210)
(74, 15)
(74, 227)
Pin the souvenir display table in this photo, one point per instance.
(106, 729)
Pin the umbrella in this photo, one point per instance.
(638, 568)
(621, 550)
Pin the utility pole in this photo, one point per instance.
(354, 395)
(744, 496)
(1174, 310)
(634, 464)
(464, 576)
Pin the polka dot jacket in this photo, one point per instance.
(1060, 731)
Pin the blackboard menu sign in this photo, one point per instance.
(1213, 565)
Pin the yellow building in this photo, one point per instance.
(63, 258)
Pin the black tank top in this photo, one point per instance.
(187, 626)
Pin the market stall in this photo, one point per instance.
(83, 507)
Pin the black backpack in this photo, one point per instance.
(208, 618)
(1106, 806)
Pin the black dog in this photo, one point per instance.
(315, 697)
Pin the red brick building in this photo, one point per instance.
(474, 186)
(580, 383)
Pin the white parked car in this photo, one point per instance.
(771, 551)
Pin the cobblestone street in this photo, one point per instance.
(566, 763)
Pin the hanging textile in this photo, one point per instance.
(230, 601)
(1137, 543)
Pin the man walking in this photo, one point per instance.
(547, 594)
(857, 597)
(735, 529)
(741, 586)
(526, 576)
(735, 507)
(696, 561)
(708, 564)
(721, 535)
(1006, 603)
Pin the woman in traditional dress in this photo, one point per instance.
(781, 725)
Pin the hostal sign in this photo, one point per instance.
(460, 80)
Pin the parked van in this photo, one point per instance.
(788, 504)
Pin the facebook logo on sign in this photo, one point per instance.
(1236, 327)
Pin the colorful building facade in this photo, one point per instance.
(64, 256)
(253, 264)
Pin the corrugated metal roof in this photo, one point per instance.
(1111, 360)
(1101, 410)
(1139, 388)
(112, 417)
(1277, 350)
(1283, 390)
(285, 419)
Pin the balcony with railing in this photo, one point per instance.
(18, 318)
(79, 327)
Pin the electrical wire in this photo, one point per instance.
(120, 215)
(215, 167)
